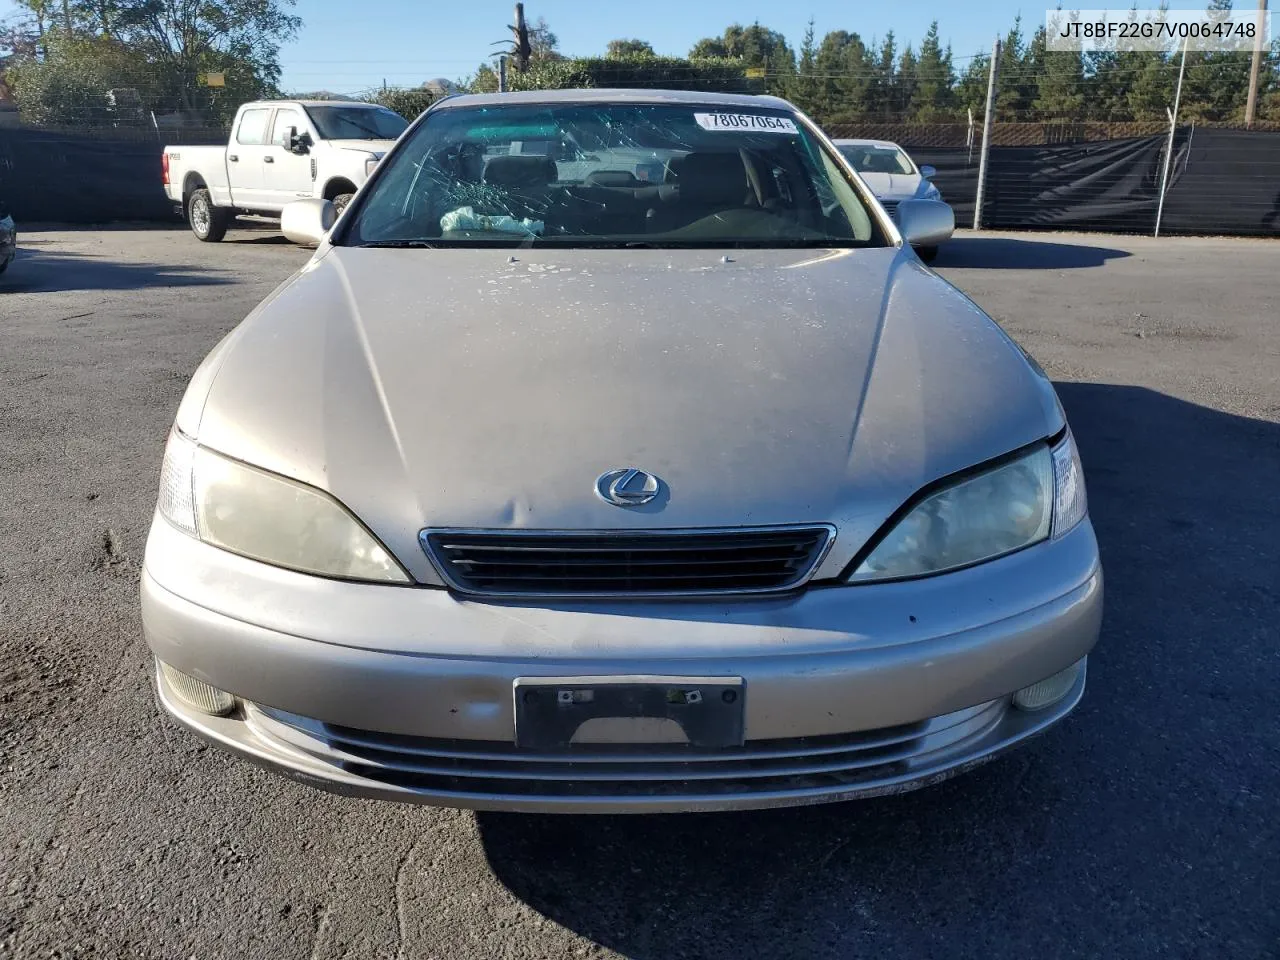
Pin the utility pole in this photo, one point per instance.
(1257, 65)
(502, 74)
(521, 49)
(986, 135)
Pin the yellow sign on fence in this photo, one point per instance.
(755, 73)
(215, 79)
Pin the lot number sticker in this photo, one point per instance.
(753, 122)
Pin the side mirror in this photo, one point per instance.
(923, 223)
(927, 171)
(299, 143)
(306, 222)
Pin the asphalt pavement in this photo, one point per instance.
(1145, 826)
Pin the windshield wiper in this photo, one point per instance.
(401, 244)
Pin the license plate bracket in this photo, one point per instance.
(550, 710)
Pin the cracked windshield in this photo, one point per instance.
(613, 174)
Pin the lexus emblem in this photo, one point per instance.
(627, 487)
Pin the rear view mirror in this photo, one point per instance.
(925, 223)
(306, 222)
(927, 171)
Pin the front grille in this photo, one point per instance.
(613, 562)
(488, 769)
(891, 208)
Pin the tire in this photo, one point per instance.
(340, 203)
(207, 222)
(927, 254)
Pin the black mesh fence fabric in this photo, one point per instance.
(1221, 181)
(64, 177)
(1225, 181)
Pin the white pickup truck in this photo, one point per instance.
(280, 150)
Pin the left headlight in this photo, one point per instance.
(1021, 502)
(267, 517)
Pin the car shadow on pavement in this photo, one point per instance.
(262, 239)
(1144, 815)
(1016, 253)
(41, 271)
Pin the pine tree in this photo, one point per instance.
(904, 83)
(844, 73)
(804, 91)
(971, 90)
(932, 99)
(1015, 93)
(881, 88)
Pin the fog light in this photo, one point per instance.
(197, 694)
(1049, 690)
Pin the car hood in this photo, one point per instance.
(490, 388)
(364, 146)
(893, 186)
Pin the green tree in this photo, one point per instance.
(407, 103)
(971, 88)
(1060, 92)
(485, 80)
(880, 87)
(1015, 79)
(932, 98)
(844, 76)
(69, 85)
(755, 45)
(543, 44)
(804, 91)
(630, 48)
(758, 48)
(101, 17)
(1150, 89)
(904, 83)
(239, 38)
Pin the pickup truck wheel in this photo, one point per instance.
(207, 222)
(340, 203)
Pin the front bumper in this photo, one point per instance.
(407, 694)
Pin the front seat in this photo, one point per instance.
(709, 183)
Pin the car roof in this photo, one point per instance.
(607, 95)
(883, 144)
(313, 103)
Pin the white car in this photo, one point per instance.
(280, 151)
(892, 176)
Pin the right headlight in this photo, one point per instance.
(267, 517)
(1020, 502)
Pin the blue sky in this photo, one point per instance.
(398, 40)
(346, 47)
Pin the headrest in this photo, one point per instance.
(519, 171)
(613, 178)
(710, 177)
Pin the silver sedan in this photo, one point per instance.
(613, 453)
